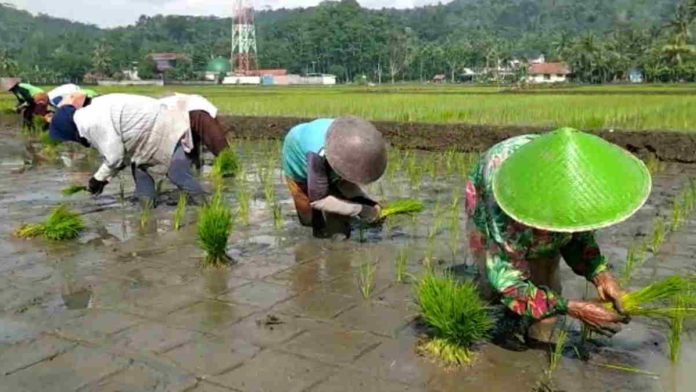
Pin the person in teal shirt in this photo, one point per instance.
(326, 163)
(31, 100)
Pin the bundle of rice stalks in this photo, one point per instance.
(456, 316)
(61, 224)
(650, 300)
(214, 227)
(402, 207)
(226, 164)
(73, 189)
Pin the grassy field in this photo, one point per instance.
(639, 107)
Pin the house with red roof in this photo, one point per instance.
(542, 72)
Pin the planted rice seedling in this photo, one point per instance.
(243, 203)
(658, 235)
(73, 189)
(179, 211)
(145, 214)
(402, 207)
(366, 278)
(277, 216)
(557, 353)
(214, 227)
(400, 264)
(455, 315)
(676, 326)
(677, 216)
(635, 257)
(226, 164)
(61, 224)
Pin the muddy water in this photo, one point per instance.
(132, 301)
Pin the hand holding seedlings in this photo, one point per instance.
(596, 315)
(326, 163)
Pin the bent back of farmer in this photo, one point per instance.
(131, 130)
(31, 100)
(530, 201)
(326, 163)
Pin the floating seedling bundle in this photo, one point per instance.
(73, 189)
(402, 207)
(456, 316)
(61, 224)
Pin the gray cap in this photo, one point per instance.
(356, 150)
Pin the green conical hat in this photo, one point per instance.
(570, 181)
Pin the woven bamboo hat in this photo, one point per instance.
(7, 83)
(570, 181)
(356, 150)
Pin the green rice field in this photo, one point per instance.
(627, 107)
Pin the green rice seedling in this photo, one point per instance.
(226, 164)
(454, 224)
(649, 300)
(145, 214)
(677, 216)
(179, 211)
(402, 207)
(629, 369)
(243, 203)
(400, 264)
(658, 235)
(454, 312)
(61, 224)
(277, 216)
(557, 353)
(654, 164)
(366, 278)
(676, 327)
(214, 227)
(73, 189)
(635, 258)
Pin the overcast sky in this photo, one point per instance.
(110, 13)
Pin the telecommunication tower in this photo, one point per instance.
(243, 57)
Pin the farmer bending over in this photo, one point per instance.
(205, 127)
(56, 95)
(136, 130)
(533, 199)
(326, 162)
(31, 100)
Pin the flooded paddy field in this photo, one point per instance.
(128, 307)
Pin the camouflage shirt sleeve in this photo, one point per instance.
(582, 254)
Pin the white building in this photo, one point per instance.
(547, 73)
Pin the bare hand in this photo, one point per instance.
(596, 315)
(609, 290)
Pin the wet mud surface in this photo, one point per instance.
(667, 145)
(127, 307)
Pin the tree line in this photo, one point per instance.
(600, 39)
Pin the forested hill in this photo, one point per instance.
(343, 38)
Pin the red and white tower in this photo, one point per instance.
(243, 57)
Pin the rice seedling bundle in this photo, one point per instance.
(61, 224)
(402, 207)
(214, 227)
(676, 326)
(651, 300)
(226, 164)
(73, 189)
(455, 314)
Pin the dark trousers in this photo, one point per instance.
(179, 173)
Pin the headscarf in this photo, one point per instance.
(63, 126)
